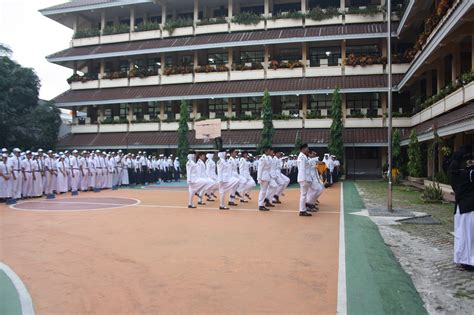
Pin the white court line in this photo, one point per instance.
(341, 282)
(138, 204)
(117, 205)
(23, 294)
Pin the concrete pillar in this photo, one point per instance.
(303, 6)
(344, 106)
(343, 52)
(163, 64)
(196, 59)
(102, 69)
(384, 48)
(304, 107)
(429, 86)
(456, 66)
(75, 67)
(266, 7)
(196, 11)
(230, 5)
(132, 19)
(75, 23)
(440, 76)
(230, 57)
(229, 107)
(163, 14)
(304, 56)
(102, 21)
(342, 5)
(383, 103)
(162, 111)
(195, 108)
(130, 113)
(101, 113)
(265, 60)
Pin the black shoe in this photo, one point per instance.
(310, 210)
(305, 214)
(266, 200)
(238, 195)
(277, 202)
(263, 209)
(210, 200)
(276, 198)
(243, 201)
(192, 207)
(214, 195)
(224, 208)
(201, 203)
(248, 196)
(269, 205)
(467, 267)
(310, 206)
(232, 203)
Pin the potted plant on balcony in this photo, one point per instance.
(318, 14)
(74, 78)
(246, 18)
(172, 24)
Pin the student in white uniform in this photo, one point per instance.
(210, 185)
(211, 173)
(5, 180)
(248, 182)
(75, 172)
(63, 175)
(317, 186)
(304, 178)
(50, 170)
(234, 162)
(264, 177)
(84, 167)
(17, 175)
(37, 188)
(127, 164)
(195, 186)
(227, 182)
(28, 175)
(110, 171)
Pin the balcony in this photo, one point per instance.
(85, 85)
(288, 124)
(89, 128)
(211, 76)
(283, 73)
(213, 25)
(179, 31)
(144, 35)
(285, 19)
(112, 82)
(363, 70)
(318, 123)
(245, 124)
(365, 14)
(148, 126)
(247, 71)
(177, 78)
(323, 71)
(151, 80)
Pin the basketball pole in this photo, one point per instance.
(389, 101)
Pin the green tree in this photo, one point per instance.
(414, 156)
(183, 130)
(298, 143)
(218, 143)
(23, 121)
(396, 149)
(336, 144)
(267, 131)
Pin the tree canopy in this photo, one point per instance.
(268, 130)
(336, 144)
(183, 130)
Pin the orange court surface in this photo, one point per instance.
(142, 251)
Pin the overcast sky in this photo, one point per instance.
(32, 37)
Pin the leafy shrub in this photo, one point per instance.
(288, 15)
(367, 10)
(432, 193)
(91, 32)
(247, 18)
(318, 14)
(149, 26)
(116, 29)
(172, 24)
(214, 20)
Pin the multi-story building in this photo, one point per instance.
(133, 62)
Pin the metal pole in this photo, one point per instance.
(389, 101)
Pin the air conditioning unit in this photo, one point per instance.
(88, 120)
(116, 118)
(177, 116)
(324, 112)
(285, 112)
(247, 113)
(146, 117)
(379, 112)
(363, 111)
(212, 115)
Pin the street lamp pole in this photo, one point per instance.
(389, 101)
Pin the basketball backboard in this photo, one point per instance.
(208, 129)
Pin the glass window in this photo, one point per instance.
(169, 111)
(287, 7)
(251, 56)
(123, 110)
(218, 106)
(187, 61)
(256, 9)
(109, 67)
(124, 65)
(217, 59)
(367, 50)
(324, 3)
(290, 54)
(291, 103)
(139, 64)
(319, 102)
(251, 104)
(155, 19)
(368, 101)
(222, 11)
(154, 110)
(325, 55)
(125, 21)
(108, 112)
(168, 61)
(154, 64)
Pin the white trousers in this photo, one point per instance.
(75, 180)
(225, 187)
(315, 191)
(464, 238)
(272, 189)
(62, 182)
(304, 187)
(27, 187)
(263, 192)
(6, 187)
(37, 189)
(283, 181)
(48, 187)
(246, 185)
(17, 184)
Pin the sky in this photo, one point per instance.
(32, 37)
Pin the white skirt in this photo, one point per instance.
(464, 238)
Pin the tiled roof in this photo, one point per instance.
(179, 91)
(77, 3)
(239, 38)
(282, 137)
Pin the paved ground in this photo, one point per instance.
(425, 251)
(159, 256)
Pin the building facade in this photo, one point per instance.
(133, 62)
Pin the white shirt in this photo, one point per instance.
(304, 172)
(224, 171)
(264, 168)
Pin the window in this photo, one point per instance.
(186, 16)
(251, 104)
(123, 112)
(108, 113)
(139, 64)
(367, 50)
(324, 3)
(368, 101)
(217, 59)
(124, 65)
(109, 67)
(169, 111)
(187, 61)
(291, 103)
(320, 102)
(251, 56)
(290, 54)
(256, 9)
(154, 64)
(222, 11)
(155, 19)
(287, 7)
(154, 110)
(218, 106)
(330, 56)
(138, 21)
(125, 22)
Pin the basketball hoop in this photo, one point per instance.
(207, 130)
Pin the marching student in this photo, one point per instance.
(99, 171)
(282, 180)
(110, 171)
(211, 173)
(233, 160)
(177, 169)
(304, 178)
(248, 181)
(227, 183)
(85, 170)
(264, 177)
(317, 186)
(127, 163)
(195, 185)
(210, 185)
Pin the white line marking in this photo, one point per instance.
(25, 298)
(341, 282)
(138, 204)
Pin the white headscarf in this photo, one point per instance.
(191, 157)
(221, 155)
(210, 156)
